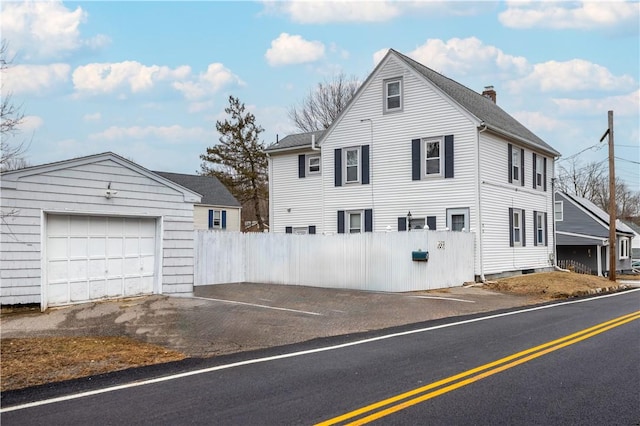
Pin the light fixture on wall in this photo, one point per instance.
(110, 192)
(409, 221)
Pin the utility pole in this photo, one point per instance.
(612, 201)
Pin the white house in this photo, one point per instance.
(218, 209)
(412, 149)
(91, 228)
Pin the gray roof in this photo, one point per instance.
(483, 108)
(296, 141)
(633, 226)
(597, 212)
(478, 105)
(213, 192)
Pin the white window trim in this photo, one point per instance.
(348, 215)
(345, 166)
(458, 211)
(424, 157)
(540, 225)
(624, 248)
(558, 210)
(213, 224)
(516, 162)
(540, 172)
(517, 225)
(385, 95)
(309, 158)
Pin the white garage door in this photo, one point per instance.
(93, 257)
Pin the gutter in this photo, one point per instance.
(521, 140)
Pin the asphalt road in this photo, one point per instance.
(486, 370)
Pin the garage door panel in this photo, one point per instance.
(98, 226)
(57, 248)
(114, 287)
(91, 258)
(78, 291)
(97, 289)
(97, 268)
(131, 247)
(78, 247)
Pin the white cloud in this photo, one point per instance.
(175, 133)
(99, 78)
(539, 121)
(34, 79)
(30, 123)
(44, 29)
(92, 117)
(573, 75)
(575, 15)
(293, 49)
(623, 105)
(323, 12)
(468, 56)
(215, 78)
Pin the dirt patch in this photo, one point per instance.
(34, 361)
(552, 285)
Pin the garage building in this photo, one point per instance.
(93, 228)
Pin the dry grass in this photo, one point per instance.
(35, 361)
(551, 285)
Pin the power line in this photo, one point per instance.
(628, 161)
(597, 146)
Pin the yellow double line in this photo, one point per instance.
(415, 396)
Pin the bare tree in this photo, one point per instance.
(591, 182)
(11, 116)
(323, 104)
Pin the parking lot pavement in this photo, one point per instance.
(228, 318)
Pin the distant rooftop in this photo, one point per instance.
(212, 190)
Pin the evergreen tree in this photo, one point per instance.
(240, 162)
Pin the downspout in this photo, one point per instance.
(478, 201)
(315, 148)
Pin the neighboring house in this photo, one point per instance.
(635, 243)
(582, 235)
(91, 228)
(218, 208)
(413, 149)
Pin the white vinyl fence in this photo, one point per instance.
(368, 261)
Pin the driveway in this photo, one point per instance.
(228, 318)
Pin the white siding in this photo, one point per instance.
(498, 195)
(392, 193)
(79, 188)
(293, 201)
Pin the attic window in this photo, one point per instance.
(393, 95)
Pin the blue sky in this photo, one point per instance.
(148, 80)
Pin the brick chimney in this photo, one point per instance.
(490, 93)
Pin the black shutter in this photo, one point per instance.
(524, 229)
(288, 230)
(546, 236)
(510, 226)
(416, 161)
(544, 176)
(312, 229)
(522, 167)
(368, 220)
(535, 227)
(302, 164)
(510, 154)
(535, 180)
(448, 156)
(364, 153)
(402, 223)
(431, 222)
(337, 167)
(340, 221)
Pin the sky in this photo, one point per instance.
(149, 80)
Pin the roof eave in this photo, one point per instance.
(510, 135)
